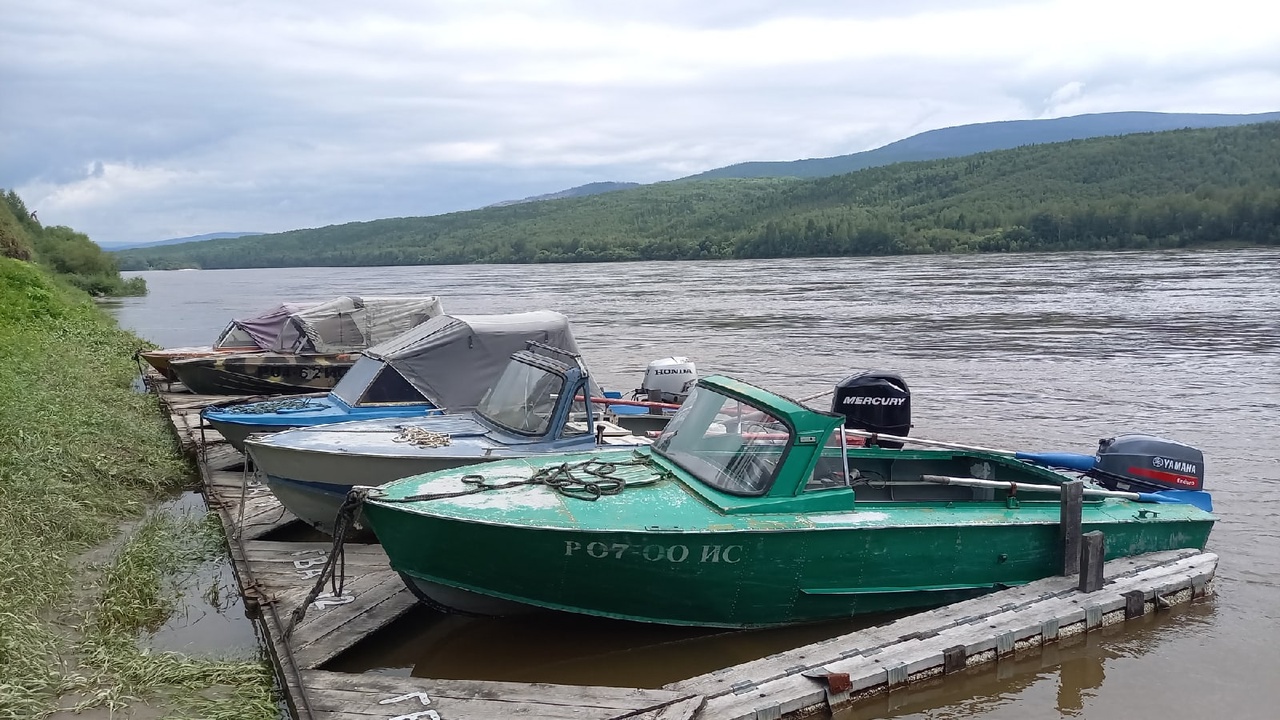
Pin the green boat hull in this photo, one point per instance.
(756, 577)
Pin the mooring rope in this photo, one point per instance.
(561, 478)
(335, 566)
(248, 407)
(421, 437)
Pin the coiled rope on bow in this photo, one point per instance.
(421, 437)
(266, 407)
(565, 478)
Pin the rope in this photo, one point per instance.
(564, 478)
(335, 567)
(266, 407)
(422, 437)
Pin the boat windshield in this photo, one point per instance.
(523, 400)
(353, 383)
(733, 446)
(374, 382)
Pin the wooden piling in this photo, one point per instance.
(1069, 525)
(1093, 549)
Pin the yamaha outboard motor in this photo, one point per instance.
(1143, 463)
(875, 401)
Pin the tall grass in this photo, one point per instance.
(80, 452)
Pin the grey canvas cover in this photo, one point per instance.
(259, 331)
(350, 323)
(454, 359)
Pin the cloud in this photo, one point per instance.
(145, 119)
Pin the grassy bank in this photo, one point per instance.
(81, 454)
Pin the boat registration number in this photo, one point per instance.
(655, 553)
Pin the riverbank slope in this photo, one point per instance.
(83, 456)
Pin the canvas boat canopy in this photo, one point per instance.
(452, 360)
(258, 332)
(351, 323)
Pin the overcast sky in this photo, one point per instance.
(138, 120)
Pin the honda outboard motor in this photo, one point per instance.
(1143, 463)
(877, 402)
(669, 380)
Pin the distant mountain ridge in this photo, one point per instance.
(964, 140)
(594, 188)
(1176, 189)
(174, 241)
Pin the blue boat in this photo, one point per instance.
(536, 407)
(446, 363)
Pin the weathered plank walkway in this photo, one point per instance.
(277, 576)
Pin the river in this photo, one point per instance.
(1026, 352)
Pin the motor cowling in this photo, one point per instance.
(669, 380)
(1145, 463)
(875, 401)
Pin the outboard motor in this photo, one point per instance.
(669, 380)
(1143, 463)
(875, 401)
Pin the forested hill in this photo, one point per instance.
(1171, 189)
(964, 140)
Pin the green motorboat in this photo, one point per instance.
(750, 510)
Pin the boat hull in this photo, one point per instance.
(235, 427)
(160, 360)
(330, 476)
(742, 579)
(261, 374)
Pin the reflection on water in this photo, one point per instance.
(1028, 352)
(558, 647)
(208, 618)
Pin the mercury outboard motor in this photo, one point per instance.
(875, 401)
(1143, 463)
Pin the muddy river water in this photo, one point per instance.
(1026, 352)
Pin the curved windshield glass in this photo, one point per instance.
(523, 399)
(728, 444)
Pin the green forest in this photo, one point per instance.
(1186, 188)
(66, 254)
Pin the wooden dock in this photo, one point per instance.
(277, 575)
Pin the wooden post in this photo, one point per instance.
(1135, 605)
(1069, 525)
(1093, 550)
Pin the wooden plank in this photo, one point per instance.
(331, 703)
(579, 697)
(680, 710)
(274, 551)
(357, 629)
(334, 631)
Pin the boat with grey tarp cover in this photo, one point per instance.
(537, 406)
(446, 363)
(313, 350)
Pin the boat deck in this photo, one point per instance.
(276, 577)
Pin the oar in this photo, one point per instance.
(1070, 461)
(1198, 498)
